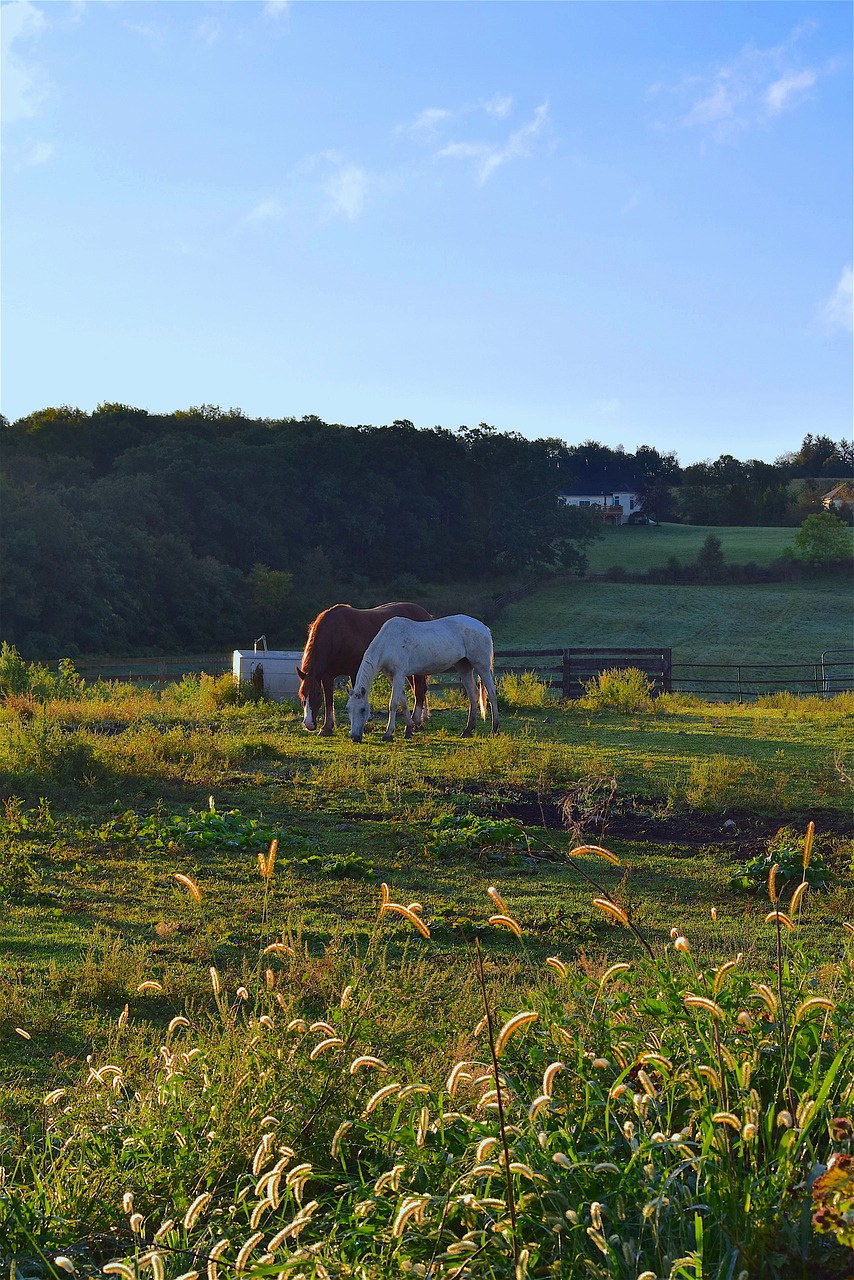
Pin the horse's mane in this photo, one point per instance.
(308, 651)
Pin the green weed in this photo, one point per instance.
(525, 690)
(626, 690)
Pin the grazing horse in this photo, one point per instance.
(337, 640)
(403, 648)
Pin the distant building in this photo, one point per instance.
(841, 496)
(616, 505)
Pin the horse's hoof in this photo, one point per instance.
(466, 733)
(387, 737)
(407, 733)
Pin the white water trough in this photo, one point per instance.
(270, 671)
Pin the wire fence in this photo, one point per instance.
(565, 670)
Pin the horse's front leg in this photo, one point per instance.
(328, 707)
(397, 699)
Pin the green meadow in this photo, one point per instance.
(639, 547)
(766, 622)
(404, 1039)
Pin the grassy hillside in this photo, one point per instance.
(771, 622)
(639, 547)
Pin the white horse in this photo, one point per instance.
(404, 648)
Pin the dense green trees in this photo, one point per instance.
(129, 531)
(125, 530)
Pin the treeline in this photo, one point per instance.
(125, 531)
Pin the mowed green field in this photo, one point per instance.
(769, 622)
(639, 547)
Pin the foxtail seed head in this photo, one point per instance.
(512, 1025)
(507, 922)
(190, 885)
(611, 909)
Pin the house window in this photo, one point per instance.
(583, 502)
(631, 503)
(616, 499)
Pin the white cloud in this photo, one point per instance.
(499, 107)
(266, 211)
(347, 188)
(490, 156)
(787, 91)
(25, 85)
(426, 124)
(276, 9)
(838, 311)
(750, 90)
(208, 31)
(39, 153)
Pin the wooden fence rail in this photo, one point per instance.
(566, 670)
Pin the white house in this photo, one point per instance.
(616, 505)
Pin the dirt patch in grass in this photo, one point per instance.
(731, 827)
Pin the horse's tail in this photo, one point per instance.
(482, 698)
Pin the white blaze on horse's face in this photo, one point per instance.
(357, 710)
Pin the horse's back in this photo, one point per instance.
(339, 636)
(425, 647)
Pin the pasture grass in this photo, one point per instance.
(92, 911)
(636, 548)
(764, 623)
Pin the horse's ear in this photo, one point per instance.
(301, 673)
(360, 693)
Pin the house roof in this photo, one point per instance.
(594, 491)
(841, 493)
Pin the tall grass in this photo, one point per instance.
(658, 1118)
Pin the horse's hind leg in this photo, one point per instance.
(467, 678)
(487, 689)
(419, 689)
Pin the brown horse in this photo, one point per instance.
(336, 644)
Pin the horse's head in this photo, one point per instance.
(358, 710)
(311, 697)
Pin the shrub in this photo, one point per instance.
(625, 689)
(18, 677)
(525, 689)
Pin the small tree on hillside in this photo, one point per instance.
(823, 539)
(710, 560)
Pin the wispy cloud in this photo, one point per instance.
(426, 125)
(788, 90)
(489, 156)
(208, 31)
(39, 153)
(837, 313)
(346, 188)
(25, 84)
(499, 107)
(276, 9)
(751, 89)
(267, 211)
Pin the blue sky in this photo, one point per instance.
(629, 222)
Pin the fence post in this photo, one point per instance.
(565, 673)
(666, 671)
(738, 682)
